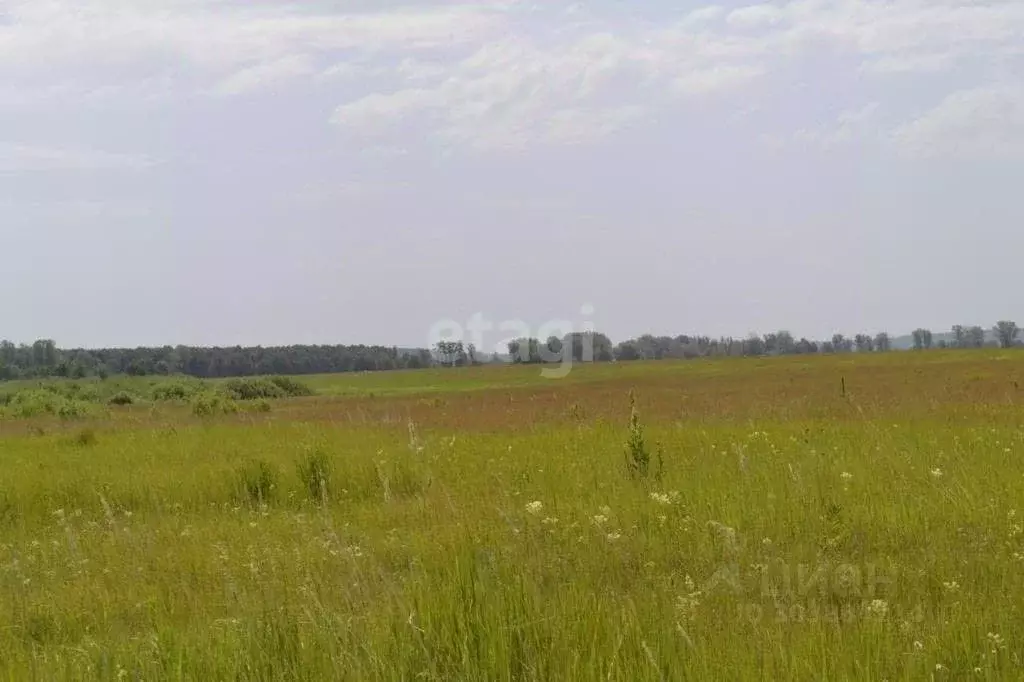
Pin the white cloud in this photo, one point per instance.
(19, 158)
(850, 126)
(264, 75)
(983, 122)
(490, 74)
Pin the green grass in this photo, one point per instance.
(877, 536)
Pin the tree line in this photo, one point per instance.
(44, 359)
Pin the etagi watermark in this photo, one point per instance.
(575, 340)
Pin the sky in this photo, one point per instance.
(220, 172)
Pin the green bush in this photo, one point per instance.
(121, 398)
(180, 390)
(292, 387)
(265, 388)
(40, 402)
(209, 404)
(252, 389)
(315, 473)
(258, 482)
(260, 405)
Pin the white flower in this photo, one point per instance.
(600, 519)
(918, 646)
(951, 586)
(550, 521)
(535, 507)
(846, 475)
(936, 473)
(612, 537)
(878, 608)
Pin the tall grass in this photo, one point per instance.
(814, 547)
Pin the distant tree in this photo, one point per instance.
(627, 351)
(754, 345)
(450, 353)
(841, 344)
(785, 342)
(883, 344)
(922, 339)
(864, 343)
(805, 347)
(555, 347)
(959, 336)
(974, 337)
(589, 347)
(471, 354)
(1006, 333)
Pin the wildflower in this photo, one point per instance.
(878, 608)
(939, 667)
(951, 586)
(918, 646)
(846, 475)
(600, 519)
(936, 473)
(550, 521)
(661, 498)
(535, 507)
(612, 537)
(996, 642)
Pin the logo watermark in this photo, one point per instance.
(553, 344)
(825, 590)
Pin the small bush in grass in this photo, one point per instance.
(121, 398)
(315, 474)
(259, 482)
(291, 387)
(261, 405)
(43, 402)
(85, 438)
(179, 390)
(638, 455)
(210, 403)
(265, 388)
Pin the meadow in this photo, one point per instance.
(845, 517)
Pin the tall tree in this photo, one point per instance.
(1006, 333)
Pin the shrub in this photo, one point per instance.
(180, 390)
(260, 405)
(292, 387)
(40, 402)
(84, 438)
(259, 482)
(209, 403)
(121, 398)
(315, 473)
(638, 455)
(252, 389)
(264, 388)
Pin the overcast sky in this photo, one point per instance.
(222, 172)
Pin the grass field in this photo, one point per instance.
(831, 518)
